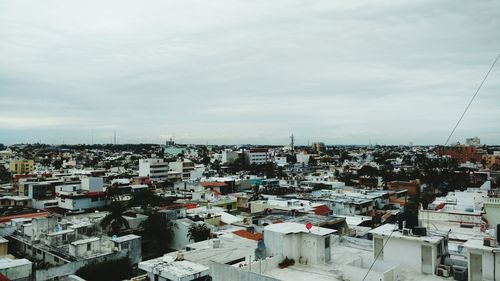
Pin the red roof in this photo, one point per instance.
(191, 206)
(322, 210)
(26, 216)
(212, 184)
(248, 235)
(3, 277)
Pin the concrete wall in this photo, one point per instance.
(223, 272)
(381, 271)
(71, 268)
(405, 252)
(19, 272)
(490, 265)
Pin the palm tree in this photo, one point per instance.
(159, 230)
(198, 232)
(114, 219)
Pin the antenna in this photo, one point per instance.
(114, 139)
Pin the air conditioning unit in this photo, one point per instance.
(420, 231)
(489, 242)
(460, 273)
(442, 272)
(406, 231)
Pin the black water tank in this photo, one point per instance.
(497, 234)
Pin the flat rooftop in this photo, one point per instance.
(167, 267)
(232, 247)
(293, 227)
(387, 229)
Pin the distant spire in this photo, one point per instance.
(292, 142)
(114, 139)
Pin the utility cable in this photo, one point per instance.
(472, 99)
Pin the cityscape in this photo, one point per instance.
(249, 140)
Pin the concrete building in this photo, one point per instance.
(168, 268)
(475, 141)
(229, 156)
(183, 166)
(419, 253)
(257, 156)
(294, 240)
(483, 262)
(18, 166)
(153, 168)
(318, 147)
(16, 269)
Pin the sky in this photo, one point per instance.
(232, 72)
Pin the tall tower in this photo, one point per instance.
(114, 139)
(292, 140)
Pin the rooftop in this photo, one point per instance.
(292, 227)
(387, 229)
(167, 266)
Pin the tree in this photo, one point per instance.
(145, 199)
(115, 220)
(159, 230)
(5, 175)
(198, 232)
(108, 270)
(368, 171)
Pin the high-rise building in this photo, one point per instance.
(318, 147)
(475, 141)
(155, 169)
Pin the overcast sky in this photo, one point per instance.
(341, 72)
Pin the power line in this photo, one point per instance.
(472, 99)
(447, 140)
(379, 252)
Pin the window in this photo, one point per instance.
(327, 242)
(94, 199)
(89, 247)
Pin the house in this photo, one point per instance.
(483, 262)
(420, 253)
(295, 241)
(174, 269)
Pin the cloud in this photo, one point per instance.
(248, 72)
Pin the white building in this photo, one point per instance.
(419, 253)
(16, 269)
(185, 167)
(257, 156)
(229, 156)
(483, 261)
(168, 268)
(294, 241)
(153, 168)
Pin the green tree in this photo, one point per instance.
(5, 175)
(115, 218)
(145, 199)
(159, 230)
(113, 270)
(198, 232)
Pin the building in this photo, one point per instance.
(16, 269)
(229, 156)
(482, 260)
(174, 269)
(460, 153)
(318, 147)
(421, 253)
(475, 141)
(295, 241)
(155, 169)
(18, 166)
(492, 160)
(257, 156)
(183, 166)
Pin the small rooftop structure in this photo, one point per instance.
(173, 268)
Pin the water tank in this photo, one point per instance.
(216, 243)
